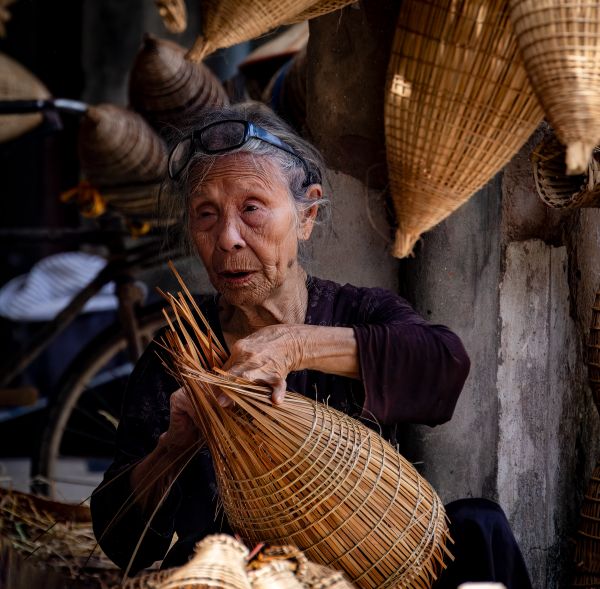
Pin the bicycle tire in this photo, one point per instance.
(88, 364)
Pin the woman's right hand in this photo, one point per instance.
(182, 432)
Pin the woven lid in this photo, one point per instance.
(116, 147)
(167, 89)
(18, 83)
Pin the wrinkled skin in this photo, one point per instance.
(246, 230)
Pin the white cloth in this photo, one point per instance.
(50, 286)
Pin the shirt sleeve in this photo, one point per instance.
(118, 520)
(412, 371)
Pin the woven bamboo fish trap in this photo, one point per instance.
(587, 548)
(458, 107)
(117, 147)
(558, 189)
(228, 22)
(560, 45)
(304, 474)
(167, 89)
(18, 83)
(593, 351)
(275, 575)
(588, 581)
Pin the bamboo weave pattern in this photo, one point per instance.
(305, 474)
(587, 547)
(560, 44)
(557, 189)
(458, 107)
(229, 22)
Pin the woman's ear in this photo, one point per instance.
(307, 220)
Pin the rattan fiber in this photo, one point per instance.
(558, 189)
(560, 44)
(18, 83)
(228, 22)
(305, 474)
(458, 107)
(169, 90)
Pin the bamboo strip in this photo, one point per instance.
(306, 474)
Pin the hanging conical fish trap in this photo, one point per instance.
(302, 473)
(458, 107)
(17, 83)
(219, 562)
(560, 45)
(173, 14)
(558, 189)
(593, 352)
(169, 90)
(587, 547)
(228, 22)
(582, 581)
(117, 147)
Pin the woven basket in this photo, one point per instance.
(593, 352)
(17, 83)
(275, 575)
(557, 189)
(304, 474)
(169, 90)
(587, 547)
(219, 561)
(458, 107)
(117, 147)
(560, 44)
(228, 22)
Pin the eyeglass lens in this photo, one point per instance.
(180, 156)
(223, 136)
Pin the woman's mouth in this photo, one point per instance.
(236, 277)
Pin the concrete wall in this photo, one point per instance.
(516, 281)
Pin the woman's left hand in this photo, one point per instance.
(267, 356)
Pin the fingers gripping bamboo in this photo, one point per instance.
(305, 474)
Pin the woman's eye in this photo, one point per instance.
(250, 208)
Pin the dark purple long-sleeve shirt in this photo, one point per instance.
(410, 371)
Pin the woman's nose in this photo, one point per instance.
(230, 237)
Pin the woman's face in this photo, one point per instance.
(244, 225)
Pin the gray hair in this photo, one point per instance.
(293, 172)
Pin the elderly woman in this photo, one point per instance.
(252, 190)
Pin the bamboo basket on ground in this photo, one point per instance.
(228, 22)
(560, 44)
(168, 90)
(555, 187)
(17, 83)
(458, 107)
(304, 474)
(587, 548)
(593, 351)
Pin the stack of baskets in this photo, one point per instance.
(304, 474)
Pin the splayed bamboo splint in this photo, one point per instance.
(18, 83)
(560, 45)
(558, 189)
(304, 474)
(167, 89)
(458, 107)
(228, 22)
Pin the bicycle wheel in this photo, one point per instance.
(79, 439)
